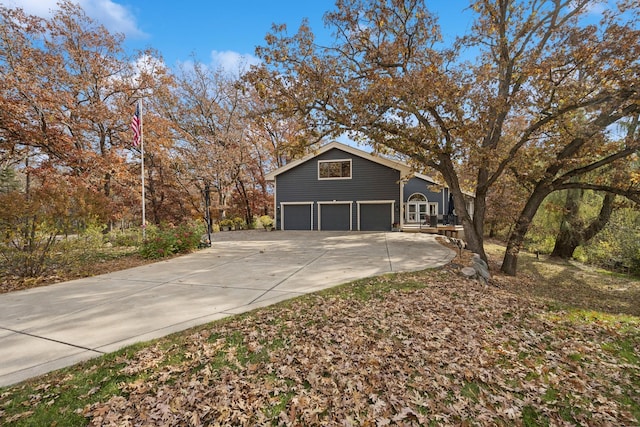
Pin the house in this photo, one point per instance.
(339, 187)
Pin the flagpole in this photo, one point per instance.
(144, 218)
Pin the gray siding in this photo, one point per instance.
(419, 185)
(369, 181)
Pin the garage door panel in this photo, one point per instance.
(296, 217)
(375, 217)
(335, 217)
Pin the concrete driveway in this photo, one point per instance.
(51, 327)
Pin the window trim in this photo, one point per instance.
(336, 161)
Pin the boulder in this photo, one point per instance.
(481, 268)
(468, 272)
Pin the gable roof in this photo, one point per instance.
(433, 181)
(424, 178)
(404, 169)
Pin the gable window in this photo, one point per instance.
(334, 169)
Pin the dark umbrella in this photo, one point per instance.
(450, 209)
(451, 206)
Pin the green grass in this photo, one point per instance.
(532, 418)
(58, 398)
(471, 390)
(375, 287)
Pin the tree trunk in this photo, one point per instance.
(510, 261)
(568, 237)
(242, 190)
(473, 228)
(572, 234)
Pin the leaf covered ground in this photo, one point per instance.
(78, 265)
(425, 348)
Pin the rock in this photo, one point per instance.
(468, 272)
(481, 268)
(461, 244)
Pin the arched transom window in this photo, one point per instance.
(416, 209)
(417, 197)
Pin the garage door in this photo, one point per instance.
(375, 216)
(335, 216)
(296, 217)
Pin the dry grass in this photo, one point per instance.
(106, 260)
(569, 284)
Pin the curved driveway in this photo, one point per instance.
(47, 328)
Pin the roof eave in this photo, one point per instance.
(402, 168)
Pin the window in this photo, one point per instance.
(433, 208)
(334, 169)
(417, 197)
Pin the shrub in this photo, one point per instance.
(168, 240)
(92, 236)
(266, 221)
(126, 237)
(617, 246)
(45, 252)
(239, 223)
(28, 232)
(227, 222)
(34, 224)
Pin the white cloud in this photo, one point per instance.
(233, 62)
(595, 7)
(41, 8)
(115, 17)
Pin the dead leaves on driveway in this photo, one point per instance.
(409, 349)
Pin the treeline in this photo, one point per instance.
(68, 92)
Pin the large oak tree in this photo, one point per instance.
(501, 98)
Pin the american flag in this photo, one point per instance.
(136, 126)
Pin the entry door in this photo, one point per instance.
(422, 212)
(412, 209)
(416, 211)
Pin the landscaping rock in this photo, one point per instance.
(468, 272)
(481, 268)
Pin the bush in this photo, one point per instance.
(45, 253)
(239, 223)
(617, 246)
(126, 237)
(266, 221)
(168, 240)
(225, 223)
(37, 226)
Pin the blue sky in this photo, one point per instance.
(219, 32)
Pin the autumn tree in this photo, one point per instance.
(574, 229)
(167, 199)
(68, 89)
(226, 138)
(274, 139)
(390, 80)
(206, 116)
